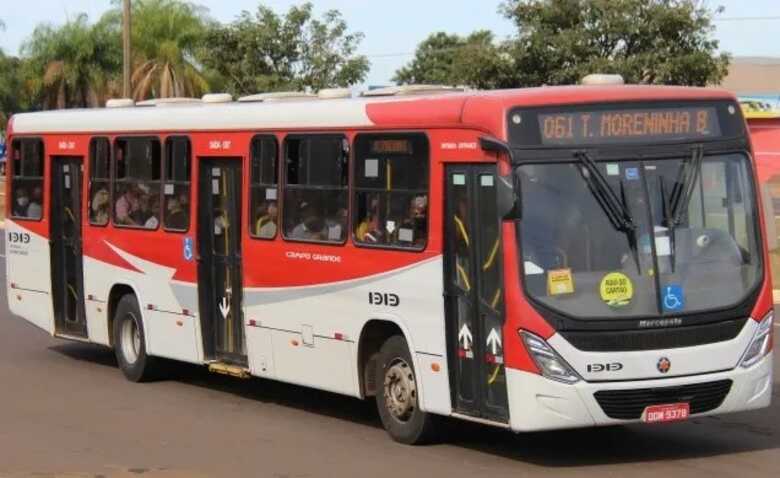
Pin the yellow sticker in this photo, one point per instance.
(616, 289)
(560, 281)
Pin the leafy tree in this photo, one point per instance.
(646, 41)
(475, 60)
(11, 97)
(294, 51)
(165, 36)
(71, 65)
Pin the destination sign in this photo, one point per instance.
(391, 146)
(629, 126)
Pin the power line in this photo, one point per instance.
(744, 19)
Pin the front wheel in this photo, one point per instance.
(397, 398)
(130, 341)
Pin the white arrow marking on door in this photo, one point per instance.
(224, 307)
(465, 336)
(494, 340)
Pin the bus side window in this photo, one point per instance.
(27, 179)
(137, 169)
(315, 195)
(99, 201)
(391, 190)
(176, 184)
(264, 200)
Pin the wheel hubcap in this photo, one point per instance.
(400, 390)
(131, 340)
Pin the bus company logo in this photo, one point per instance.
(660, 323)
(664, 365)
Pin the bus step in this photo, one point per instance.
(229, 369)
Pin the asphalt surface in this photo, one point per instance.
(65, 410)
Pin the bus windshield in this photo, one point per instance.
(685, 239)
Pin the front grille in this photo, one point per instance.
(629, 404)
(655, 339)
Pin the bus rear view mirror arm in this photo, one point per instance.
(506, 193)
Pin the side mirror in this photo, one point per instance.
(507, 191)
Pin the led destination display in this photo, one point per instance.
(629, 126)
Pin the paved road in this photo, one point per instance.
(65, 410)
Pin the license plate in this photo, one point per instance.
(673, 412)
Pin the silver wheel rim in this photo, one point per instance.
(400, 390)
(130, 337)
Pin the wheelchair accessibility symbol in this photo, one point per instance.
(673, 298)
(188, 249)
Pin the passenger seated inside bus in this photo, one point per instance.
(176, 218)
(265, 225)
(150, 210)
(369, 230)
(126, 206)
(34, 210)
(22, 202)
(99, 208)
(335, 223)
(404, 225)
(311, 226)
(412, 229)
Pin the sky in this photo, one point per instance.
(393, 29)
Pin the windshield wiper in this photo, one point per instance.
(615, 208)
(682, 192)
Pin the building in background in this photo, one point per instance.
(756, 78)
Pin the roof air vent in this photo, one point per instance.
(411, 90)
(277, 96)
(168, 101)
(602, 79)
(212, 98)
(120, 103)
(334, 93)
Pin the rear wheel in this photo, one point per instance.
(130, 341)
(397, 397)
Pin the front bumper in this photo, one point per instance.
(537, 403)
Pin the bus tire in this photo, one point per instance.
(130, 341)
(397, 398)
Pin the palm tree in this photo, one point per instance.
(165, 35)
(73, 65)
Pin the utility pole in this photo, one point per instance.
(126, 48)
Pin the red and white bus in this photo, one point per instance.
(532, 259)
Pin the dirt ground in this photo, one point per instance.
(66, 411)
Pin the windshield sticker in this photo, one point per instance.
(616, 289)
(632, 174)
(613, 169)
(663, 246)
(673, 299)
(532, 269)
(560, 281)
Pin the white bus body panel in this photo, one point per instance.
(310, 335)
(643, 364)
(538, 403)
(169, 333)
(28, 266)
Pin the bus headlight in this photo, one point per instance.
(761, 343)
(549, 362)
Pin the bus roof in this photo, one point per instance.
(480, 109)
